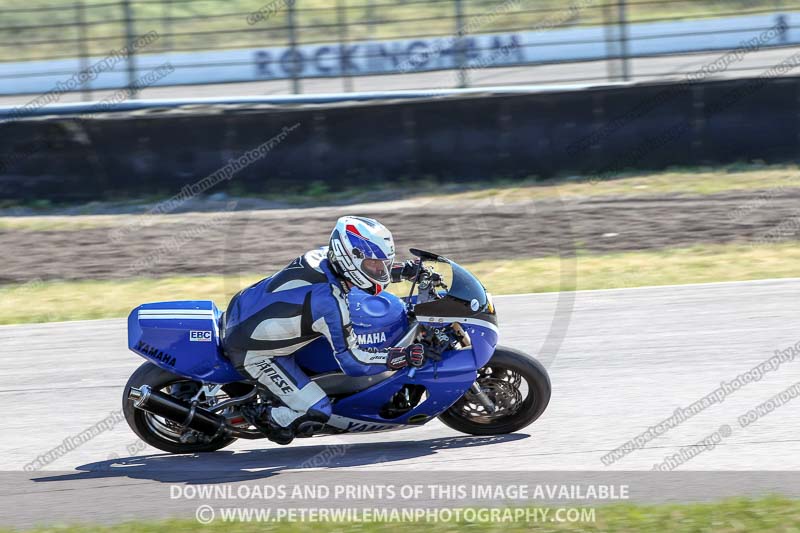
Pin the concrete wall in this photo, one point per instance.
(600, 131)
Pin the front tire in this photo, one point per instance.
(153, 430)
(502, 379)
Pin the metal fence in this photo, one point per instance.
(619, 31)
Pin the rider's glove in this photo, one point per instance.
(399, 358)
(405, 271)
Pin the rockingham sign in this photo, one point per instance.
(473, 50)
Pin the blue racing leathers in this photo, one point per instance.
(266, 323)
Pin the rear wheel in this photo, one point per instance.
(517, 385)
(164, 434)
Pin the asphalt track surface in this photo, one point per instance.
(592, 72)
(619, 360)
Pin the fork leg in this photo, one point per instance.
(482, 397)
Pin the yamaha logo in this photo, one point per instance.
(372, 338)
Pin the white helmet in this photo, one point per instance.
(362, 251)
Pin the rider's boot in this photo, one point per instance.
(283, 424)
(280, 421)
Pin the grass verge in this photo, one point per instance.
(672, 266)
(698, 181)
(766, 515)
(79, 300)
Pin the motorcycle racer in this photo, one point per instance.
(266, 323)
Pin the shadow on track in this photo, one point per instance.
(227, 466)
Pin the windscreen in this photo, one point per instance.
(465, 297)
(465, 286)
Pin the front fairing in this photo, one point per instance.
(465, 301)
(445, 382)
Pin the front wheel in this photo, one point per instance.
(517, 385)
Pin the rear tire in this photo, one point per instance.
(463, 419)
(158, 378)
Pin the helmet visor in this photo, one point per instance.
(377, 269)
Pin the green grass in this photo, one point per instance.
(687, 181)
(222, 24)
(58, 223)
(677, 266)
(680, 181)
(77, 300)
(766, 515)
(54, 301)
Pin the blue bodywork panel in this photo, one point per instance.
(183, 337)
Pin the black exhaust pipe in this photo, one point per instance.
(177, 410)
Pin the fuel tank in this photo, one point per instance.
(379, 321)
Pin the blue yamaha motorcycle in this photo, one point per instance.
(188, 397)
